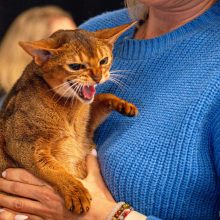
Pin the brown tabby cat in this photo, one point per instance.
(48, 119)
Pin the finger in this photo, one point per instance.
(23, 189)
(92, 165)
(21, 175)
(6, 214)
(21, 205)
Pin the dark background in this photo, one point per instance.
(81, 10)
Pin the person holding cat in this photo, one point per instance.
(166, 162)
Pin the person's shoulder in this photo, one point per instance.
(107, 20)
(212, 34)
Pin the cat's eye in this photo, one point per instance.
(104, 61)
(76, 66)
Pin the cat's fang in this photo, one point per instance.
(88, 92)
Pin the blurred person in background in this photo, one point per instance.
(33, 24)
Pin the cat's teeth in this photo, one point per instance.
(88, 91)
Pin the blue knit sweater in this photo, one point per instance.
(166, 161)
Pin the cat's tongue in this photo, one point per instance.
(88, 91)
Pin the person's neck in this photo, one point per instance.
(162, 20)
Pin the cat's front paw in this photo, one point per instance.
(123, 107)
(76, 196)
(127, 109)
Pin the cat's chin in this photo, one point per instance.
(85, 101)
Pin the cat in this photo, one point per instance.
(48, 120)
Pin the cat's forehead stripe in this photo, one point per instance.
(102, 52)
(99, 53)
(87, 44)
(80, 56)
(87, 49)
(77, 59)
(83, 57)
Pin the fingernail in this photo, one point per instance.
(21, 217)
(94, 152)
(2, 210)
(4, 174)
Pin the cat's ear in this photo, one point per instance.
(40, 50)
(112, 34)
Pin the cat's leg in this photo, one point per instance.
(5, 162)
(76, 196)
(45, 166)
(39, 160)
(3, 157)
(103, 105)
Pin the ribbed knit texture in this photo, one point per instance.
(166, 161)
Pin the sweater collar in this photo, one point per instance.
(129, 48)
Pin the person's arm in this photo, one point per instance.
(42, 202)
(95, 184)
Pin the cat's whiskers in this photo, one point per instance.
(75, 91)
(117, 82)
(76, 87)
(56, 87)
(73, 100)
(118, 75)
(119, 71)
(63, 95)
(72, 88)
(116, 71)
(56, 91)
(71, 78)
(72, 97)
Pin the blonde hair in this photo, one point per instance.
(33, 24)
(137, 10)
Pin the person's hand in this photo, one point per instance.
(40, 201)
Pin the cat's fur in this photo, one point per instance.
(47, 128)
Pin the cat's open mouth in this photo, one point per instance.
(85, 92)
